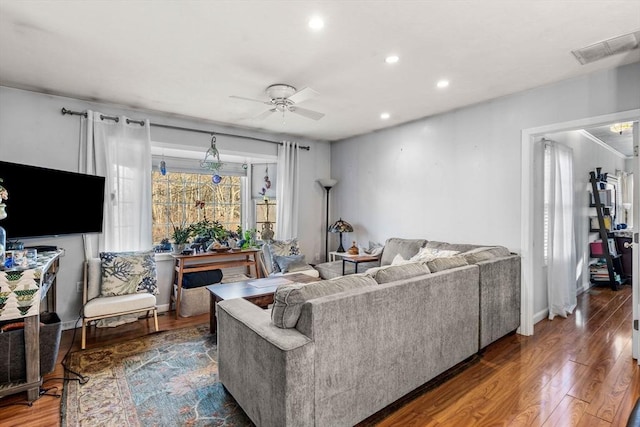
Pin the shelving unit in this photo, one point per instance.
(43, 278)
(609, 271)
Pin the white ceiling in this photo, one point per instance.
(188, 57)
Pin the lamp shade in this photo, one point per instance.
(327, 182)
(341, 226)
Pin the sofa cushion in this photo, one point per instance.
(391, 273)
(404, 247)
(290, 263)
(288, 299)
(485, 253)
(427, 254)
(446, 263)
(126, 273)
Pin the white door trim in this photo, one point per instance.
(526, 202)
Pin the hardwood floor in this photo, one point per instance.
(572, 372)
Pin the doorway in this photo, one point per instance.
(528, 210)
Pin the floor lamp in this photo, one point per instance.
(327, 183)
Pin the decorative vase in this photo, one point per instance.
(178, 248)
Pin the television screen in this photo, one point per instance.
(47, 202)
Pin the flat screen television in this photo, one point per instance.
(48, 202)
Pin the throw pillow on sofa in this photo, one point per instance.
(485, 253)
(280, 248)
(391, 273)
(374, 249)
(406, 248)
(288, 299)
(427, 254)
(290, 263)
(446, 263)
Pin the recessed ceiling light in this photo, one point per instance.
(443, 83)
(392, 59)
(316, 23)
(385, 116)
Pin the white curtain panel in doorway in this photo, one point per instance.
(287, 191)
(561, 280)
(121, 152)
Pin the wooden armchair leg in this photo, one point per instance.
(84, 333)
(155, 318)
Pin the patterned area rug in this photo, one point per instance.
(164, 379)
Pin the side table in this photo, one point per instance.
(357, 259)
(210, 261)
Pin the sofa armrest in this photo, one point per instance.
(499, 297)
(268, 370)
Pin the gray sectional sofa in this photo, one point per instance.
(334, 352)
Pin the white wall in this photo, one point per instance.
(33, 131)
(456, 176)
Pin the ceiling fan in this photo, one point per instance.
(285, 98)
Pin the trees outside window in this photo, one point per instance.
(182, 198)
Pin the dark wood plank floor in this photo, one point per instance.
(572, 372)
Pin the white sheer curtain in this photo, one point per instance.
(287, 191)
(121, 152)
(561, 279)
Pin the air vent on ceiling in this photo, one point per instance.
(606, 48)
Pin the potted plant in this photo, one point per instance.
(180, 236)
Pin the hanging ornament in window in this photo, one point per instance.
(163, 167)
(216, 179)
(212, 157)
(267, 182)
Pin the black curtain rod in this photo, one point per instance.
(141, 123)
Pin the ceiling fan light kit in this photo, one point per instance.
(284, 98)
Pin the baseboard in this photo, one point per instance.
(541, 315)
(71, 324)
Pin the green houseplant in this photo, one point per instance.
(180, 236)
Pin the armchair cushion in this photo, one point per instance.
(126, 273)
(105, 306)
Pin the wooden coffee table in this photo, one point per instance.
(258, 291)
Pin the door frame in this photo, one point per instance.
(527, 208)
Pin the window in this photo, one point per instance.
(174, 198)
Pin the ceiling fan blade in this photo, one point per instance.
(302, 95)
(250, 99)
(265, 114)
(306, 113)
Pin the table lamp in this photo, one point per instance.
(341, 226)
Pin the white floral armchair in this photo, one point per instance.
(119, 284)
